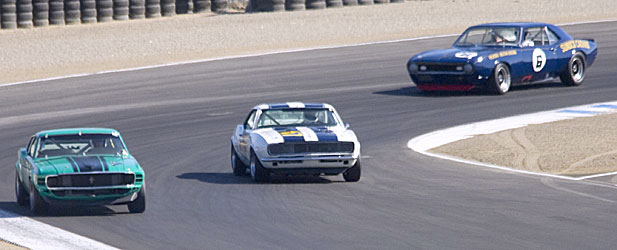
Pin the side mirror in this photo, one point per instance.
(346, 125)
(239, 130)
(22, 153)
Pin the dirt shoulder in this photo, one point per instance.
(581, 146)
(9, 246)
(57, 51)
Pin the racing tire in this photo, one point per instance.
(259, 174)
(575, 73)
(353, 174)
(20, 192)
(37, 204)
(237, 166)
(139, 205)
(500, 81)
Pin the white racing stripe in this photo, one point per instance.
(270, 135)
(295, 105)
(36, 235)
(423, 143)
(308, 134)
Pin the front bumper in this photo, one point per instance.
(92, 196)
(309, 162)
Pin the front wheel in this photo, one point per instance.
(20, 192)
(139, 204)
(37, 204)
(353, 174)
(258, 172)
(575, 74)
(500, 80)
(236, 164)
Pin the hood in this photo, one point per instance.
(305, 134)
(81, 164)
(454, 54)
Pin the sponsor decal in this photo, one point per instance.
(291, 133)
(574, 44)
(538, 60)
(502, 54)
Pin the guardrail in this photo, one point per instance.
(39, 13)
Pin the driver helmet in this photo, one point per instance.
(508, 35)
(98, 143)
(310, 116)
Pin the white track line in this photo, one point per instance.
(423, 143)
(36, 235)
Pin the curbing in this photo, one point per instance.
(423, 143)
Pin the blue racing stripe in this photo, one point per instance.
(313, 105)
(279, 106)
(579, 111)
(324, 134)
(605, 106)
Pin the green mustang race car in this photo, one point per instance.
(79, 166)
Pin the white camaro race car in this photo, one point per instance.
(295, 139)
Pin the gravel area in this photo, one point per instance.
(590, 147)
(57, 51)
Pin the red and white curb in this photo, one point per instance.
(424, 143)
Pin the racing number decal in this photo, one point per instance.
(538, 60)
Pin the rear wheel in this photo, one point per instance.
(37, 204)
(236, 164)
(575, 74)
(353, 174)
(139, 204)
(20, 192)
(500, 80)
(258, 172)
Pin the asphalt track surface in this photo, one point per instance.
(177, 121)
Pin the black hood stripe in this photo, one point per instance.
(105, 166)
(88, 163)
(73, 164)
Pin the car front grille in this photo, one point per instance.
(90, 180)
(112, 191)
(310, 147)
(441, 67)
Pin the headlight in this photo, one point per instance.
(412, 67)
(468, 68)
(480, 59)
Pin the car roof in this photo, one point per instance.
(287, 105)
(71, 131)
(512, 24)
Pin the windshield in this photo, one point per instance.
(489, 36)
(297, 117)
(85, 144)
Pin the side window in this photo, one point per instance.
(30, 148)
(552, 37)
(534, 37)
(250, 120)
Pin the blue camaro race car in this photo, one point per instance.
(496, 56)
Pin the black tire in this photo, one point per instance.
(139, 205)
(500, 80)
(258, 172)
(20, 191)
(237, 166)
(575, 73)
(353, 174)
(37, 204)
